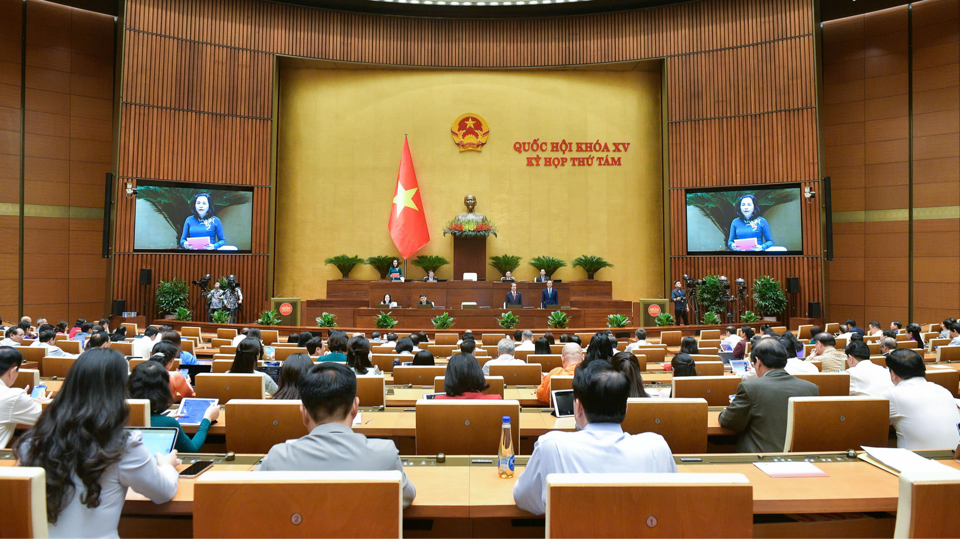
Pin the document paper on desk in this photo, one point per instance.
(897, 460)
(790, 469)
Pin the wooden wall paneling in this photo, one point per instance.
(11, 23)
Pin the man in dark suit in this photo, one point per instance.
(508, 277)
(549, 296)
(758, 412)
(513, 297)
(542, 278)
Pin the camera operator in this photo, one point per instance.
(679, 298)
(215, 300)
(232, 297)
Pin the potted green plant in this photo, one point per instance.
(384, 320)
(381, 263)
(221, 316)
(183, 314)
(591, 264)
(443, 321)
(710, 295)
(548, 263)
(344, 263)
(269, 318)
(711, 318)
(430, 262)
(617, 321)
(327, 320)
(508, 320)
(505, 263)
(768, 297)
(558, 319)
(749, 317)
(664, 319)
(172, 295)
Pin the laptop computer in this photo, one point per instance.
(562, 403)
(272, 371)
(194, 369)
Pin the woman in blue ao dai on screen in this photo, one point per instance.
(749, 224)
(202, 223)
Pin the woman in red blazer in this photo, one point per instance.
(464, 379)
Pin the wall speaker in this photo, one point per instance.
(828, 210)
(146, 276)
(107, 203)
(793, 284)
(119, 306)
(813, 310)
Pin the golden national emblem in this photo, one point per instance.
(470, 132)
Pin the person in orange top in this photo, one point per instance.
(571, 356)
(166, 353)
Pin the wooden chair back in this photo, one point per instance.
(709, 343)
(902, 338)
(491, 350)
(547, 361)
(417, 375)
(641, 359)
(927, 336)
(32, 354)
(139, 412)
(286, 345)
(269, 337)
(495, 385)
(446, 338)
(841, 343)
(830, 384)
(56, 366)
(779, 329)
(188, 345)
(518, 374)
(817, 364)
(383, 349)
(671, 338)
(371, 390)
(191, 331)
(217, 343)
(125, 347)
(68, 345)
(385, 361)
(24, 492)
(934, 344)
(947, 353)
(803, 332)
(257, 424)
(831, 328)
(27, 377)
(134, 362)
(808, 349)
(947, 378)
(585, 337)
(229, 349)
(561, 382)
(657, 355)
(682, 422)
(879, 360)
(874, 348)
(282, 353)
(443, 351)
(464, 426)
(723, 509)
(926, 506)
(716, 390)
(709, 369)
(836, 423)
(132, 328)
(491, 339)
(709, 334)
(227, 333)
(556, 348)
(227, 386)
(302, 504)
(221, 366)
(522, 355)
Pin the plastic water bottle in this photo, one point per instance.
(505, 454)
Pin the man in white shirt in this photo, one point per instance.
(729, 339)
(526, 343)
(16, 406)
(954, 334)
(600, 404)
(866, 378)
(143, 346)
(795, 366)
(945, 327)
(873, 329)
(505, 350)
(240, 337)
(640, 342)
(48, 339)
(14, 337)
(923, 413)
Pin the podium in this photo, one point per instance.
(650, 308)
(470, 255)
(289, 310)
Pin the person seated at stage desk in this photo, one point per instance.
(424, 302)
(431, 277)
(388, 301)
(513, 298)
(600, 392)
(749, 224)
(508, 277)
(542, 278)
(464, 379)
(329, 403)
(203, 224)
(395, 273)
(550, 297)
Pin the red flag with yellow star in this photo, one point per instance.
(408, 224)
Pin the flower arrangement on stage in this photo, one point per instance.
(470, 227)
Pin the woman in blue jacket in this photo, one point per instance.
(749, 224)
(203, 223)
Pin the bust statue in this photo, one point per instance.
(471, 203)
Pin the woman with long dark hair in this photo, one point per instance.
(89, 458)
(245, 360)
(599, 348)
(628, 364)
(541, 346)
(689, 345)
(358, 358)
(914, 331)
(293, 367)
(464, 379)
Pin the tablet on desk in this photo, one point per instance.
(191, 410)
(434, 395)
(738, 366)
(562, 403)
(158, 440)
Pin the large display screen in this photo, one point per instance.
(745, 220)
(191, 217)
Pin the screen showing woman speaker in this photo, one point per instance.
(745, 220)
(193, 218)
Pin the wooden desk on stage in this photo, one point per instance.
(466, 318)
(451, 293)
